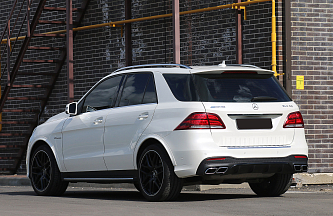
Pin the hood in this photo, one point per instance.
(58, 117)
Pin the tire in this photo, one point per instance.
(274, 186)
(157, 180)
(137, 186)
(44, 173)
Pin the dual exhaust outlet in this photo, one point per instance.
(216, 170)
(301, 168)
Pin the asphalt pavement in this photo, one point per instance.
(21, 200)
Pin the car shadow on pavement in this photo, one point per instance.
(132, 195)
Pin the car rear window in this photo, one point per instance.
(231, 87)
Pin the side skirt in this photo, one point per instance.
(118, 176)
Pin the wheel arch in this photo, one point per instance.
(148, 141)
(34, 146)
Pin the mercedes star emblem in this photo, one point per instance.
(255, 106)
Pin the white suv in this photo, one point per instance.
(163, 126)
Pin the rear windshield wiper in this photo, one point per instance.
(263, 98)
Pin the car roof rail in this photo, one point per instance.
(243, 65)
(153, 65)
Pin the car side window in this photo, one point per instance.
(135, 87)
(102, 96)
(150, 93)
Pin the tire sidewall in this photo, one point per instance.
(164, 191)
(273, 186)
(53, 167)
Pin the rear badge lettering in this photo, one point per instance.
(217, 107)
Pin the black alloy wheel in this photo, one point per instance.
(44, 173)
(41, 170)
(151, 173)
(157, 179)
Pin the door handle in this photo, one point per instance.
(98, 121)
(143, 116)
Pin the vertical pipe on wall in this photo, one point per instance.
(176, 31)
(8, 53)
(273, 38)
(287, 47)
(69, 38)
(128, 33)
(239, 36)
(0, 89)
(28, 18)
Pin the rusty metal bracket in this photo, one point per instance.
(236, 7)
(119, 26)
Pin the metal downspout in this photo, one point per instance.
(287, 47)
(273, 38)
(128, 33)
(69, 37)
(0, 91)
(239, 36)
(176, 31)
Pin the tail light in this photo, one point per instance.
(294, 120)
(201, 121)
(300, 156)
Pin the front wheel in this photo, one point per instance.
(44, 173)
(157, 180)
(274, 186)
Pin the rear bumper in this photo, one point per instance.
(235, 166)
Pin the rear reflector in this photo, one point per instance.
(215, 159)
(201, 121)
(294, 120)
(301, 156)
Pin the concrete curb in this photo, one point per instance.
(14, 180)
(313, 179)
(300, 178)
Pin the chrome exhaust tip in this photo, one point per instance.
(305, 168)
(210, 171)
(221, 170)
(301, 168)
(298, 168)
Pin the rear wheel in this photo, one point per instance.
(274, 186)
(157, 180)
(44, 173)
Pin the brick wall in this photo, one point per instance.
(312, 57)
(206, 39)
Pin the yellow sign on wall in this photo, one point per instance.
(299, 82)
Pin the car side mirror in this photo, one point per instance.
(71, 108)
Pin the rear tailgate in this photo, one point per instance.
(252, 105)
(252, 124)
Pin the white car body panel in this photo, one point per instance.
(49, 133)
(83, 147)
(197, 146)
(130, 121)
(277, 136)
